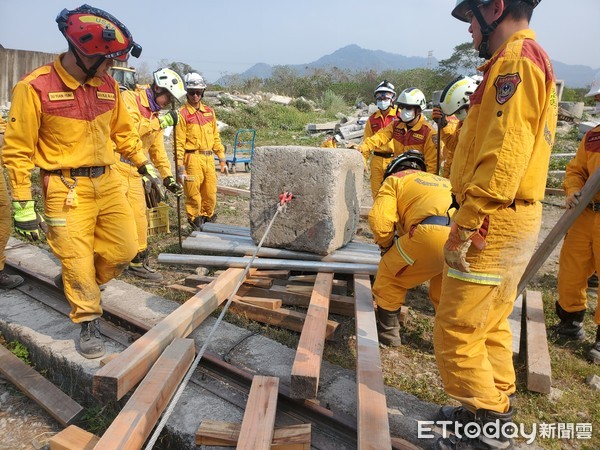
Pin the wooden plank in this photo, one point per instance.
(539, 372)
(108, 358)
(283, 318)
(186, 289)
(264, 283)
(256, 432)
(553, 191)
(589, 190)
(268, 303)
(514, 320)
(372, 416)
(226, 434)
(306, 369)
(114, 380)
(73, 438)
(54, 401)
(195, 280)
(135, 422)
(277, 274)
(236, 192)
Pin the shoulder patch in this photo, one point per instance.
(506, 86)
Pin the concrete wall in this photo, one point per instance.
(14, 65)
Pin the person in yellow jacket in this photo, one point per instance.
(144, 106)
(498, 178)
(580, 253)
(410, 131)
(331, 141)
(198, 141)
(385, 95)
(64, 119)
(7, 281)
(410, 222)
(450, 115)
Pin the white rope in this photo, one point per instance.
(192, 368)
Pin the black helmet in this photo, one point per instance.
(411, 159)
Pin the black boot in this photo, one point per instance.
(491, 437)
(594, 353)
(592, 281)
(388, 327)
(9, 281)
(571, 324)
(91, 344)
(140, 268)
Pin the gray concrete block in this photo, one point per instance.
(327, 186)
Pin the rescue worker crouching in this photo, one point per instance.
(198, 141)
(90, 225)
(410, 223)
(144, 106)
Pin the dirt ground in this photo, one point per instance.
(24, 425)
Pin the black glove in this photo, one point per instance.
(153, 188)
(173, 186)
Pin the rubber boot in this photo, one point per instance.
(140, 268)
(491, 439)
(9, 281)
(196, 224)
(594, 353)
(388, 327)
(571, 324)
(91, 344)
(592, 281)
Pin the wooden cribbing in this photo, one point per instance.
(135, 422)
(306, 369)
(54, 401)
(226, 434)
(256, 432)
(282, 317)
(73, 438)
(589, 190)
(539, 372)
(268, 303)
(114, 380)
(373, 424)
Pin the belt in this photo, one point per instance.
(201, 152)
(594, 206)
(383, 155)
(91, 172)
(436, 220)
(126, 161)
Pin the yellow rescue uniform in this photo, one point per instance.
(68, 130)
(421, 137)
(5, 222)
(498, 177)
(198, 141)
(412, 206)
(380, 157)
(449, 137)
(152, 137)
(580, 253)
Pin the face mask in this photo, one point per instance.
(383, 104)
(461, 114)
(406, 115)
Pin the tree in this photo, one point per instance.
(464, 60)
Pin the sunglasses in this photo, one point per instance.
(383, 97)
(198, 93)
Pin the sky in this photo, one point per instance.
(229, 36)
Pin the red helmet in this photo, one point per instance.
(95, 32)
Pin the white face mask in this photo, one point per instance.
(407, 114)
(383, 104)
(461, 114)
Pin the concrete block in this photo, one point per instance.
(327, 186)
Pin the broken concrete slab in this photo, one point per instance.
(327, 188)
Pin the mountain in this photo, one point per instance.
(354, 58)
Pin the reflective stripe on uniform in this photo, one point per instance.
(479, 278)
(404, 255)
(55, 221)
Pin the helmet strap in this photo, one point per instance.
(90, 72)
(487, 29)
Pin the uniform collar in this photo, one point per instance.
(390, 112)
(526, 33)
(417, 126)
(143, 98)
(68, 79)
(192, 110)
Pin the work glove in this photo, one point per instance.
(439, 117)
(458, 243)
(27, 221)
(224, 168)
(573, 200)
(173, 186)
(169, 119)
(181, 174)
(153, 189)
(353, 145)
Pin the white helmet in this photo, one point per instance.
(194, 80)
(456, 95)
(171, 81)
(412, 97)
(385, 86)
(595, 88)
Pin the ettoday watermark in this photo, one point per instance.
(504, 430)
